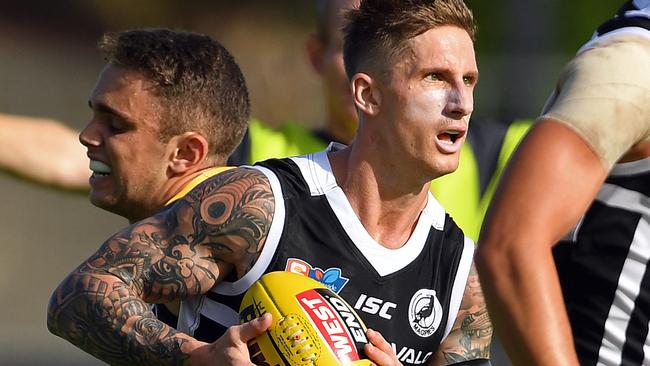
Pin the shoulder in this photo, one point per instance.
(606, 85)
(232, 186)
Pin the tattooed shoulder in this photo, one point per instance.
(233, 212)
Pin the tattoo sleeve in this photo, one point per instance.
(471, 335)
(101, 306)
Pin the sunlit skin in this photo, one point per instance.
(414, 111)
(429, 93)
(421, 110)
(123, 133)
(404, 138)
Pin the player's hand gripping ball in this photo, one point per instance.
(311, 324)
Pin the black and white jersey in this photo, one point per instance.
(411, 294)
(603, 269)
(632, 18)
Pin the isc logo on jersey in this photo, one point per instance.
(336, 322)
(331, 277)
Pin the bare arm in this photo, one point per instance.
(471, 335)
(43, 150)
(550, 183)
(182, 251)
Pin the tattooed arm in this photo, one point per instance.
(220, 226)
(471, 335)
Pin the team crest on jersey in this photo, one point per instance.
(425, 312)
(331, 277)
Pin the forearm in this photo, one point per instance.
(549, 184)
(471, 335)
(42, 150)
(103, 316)
(526, 305)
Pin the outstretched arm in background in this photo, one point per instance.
(44, 151)
(550, 183)
(219, 227)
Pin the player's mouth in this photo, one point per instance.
(450, 141)
(99, 169)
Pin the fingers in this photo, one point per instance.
(379, 350)
(255, 327)
(378, 341)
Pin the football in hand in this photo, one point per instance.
(311, 325)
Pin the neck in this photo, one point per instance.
(387, 208)
(171, 188)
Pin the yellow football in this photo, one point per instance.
(312, 325)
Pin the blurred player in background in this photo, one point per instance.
(565, 249)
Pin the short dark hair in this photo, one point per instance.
(200, 86)
(381, 29)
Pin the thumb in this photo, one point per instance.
(255, 327)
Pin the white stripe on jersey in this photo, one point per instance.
(188, 315)
(629, 281)
(644, 11)
(615, 196)
(646, 348)
(460, 281)
(317, 172)
(219, 313)
(644, 5)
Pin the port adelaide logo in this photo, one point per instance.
(425, 312)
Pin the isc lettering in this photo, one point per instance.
(373, 305)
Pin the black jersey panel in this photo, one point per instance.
(589, 271)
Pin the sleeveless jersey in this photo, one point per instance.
(603, 262)
(411, 294)
(632, 18)
(603, 269)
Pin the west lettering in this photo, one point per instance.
(342, 346)
(311, 303)
(333, 327)
(324, 313)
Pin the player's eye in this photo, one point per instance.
(468, 80)
(433, 76)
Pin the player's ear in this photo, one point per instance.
(315, 49)
(189, 150)
(366, 93)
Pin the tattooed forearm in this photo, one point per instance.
(474, 340)
(224, 222)
(181, 251)
(471, 334)
(107, 320)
